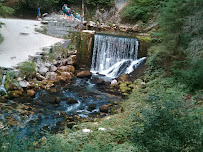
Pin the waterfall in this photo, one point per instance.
(2, 89)
(114, 56)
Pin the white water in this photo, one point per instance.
(2, 89)
(114, 56)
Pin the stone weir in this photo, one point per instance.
(58, 26)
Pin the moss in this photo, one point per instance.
(146, 39)
(125, 88)
(83, 43)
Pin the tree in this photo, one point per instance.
(4, 10)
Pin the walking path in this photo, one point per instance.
(21, 41)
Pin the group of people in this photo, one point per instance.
(68, 13)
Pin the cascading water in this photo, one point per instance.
(114, 56)
(2, 89)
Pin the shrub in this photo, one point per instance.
(10, 79)
(170, 124)
(141, 9)
(12, 141)
(27, 69)
(4, 10)
(1, 38)
(192, 77)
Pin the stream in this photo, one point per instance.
(30, 115)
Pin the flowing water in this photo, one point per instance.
(114, 55)
(32, 115)
(2, 89)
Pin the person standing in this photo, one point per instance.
(68, 13)
(64, 9)
(38, 13)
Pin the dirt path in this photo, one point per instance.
(21, 41)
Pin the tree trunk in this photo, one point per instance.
(83, 10)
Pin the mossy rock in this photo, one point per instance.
(146, 39)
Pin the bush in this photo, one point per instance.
(192, 77)
(12, 141)
(1, 38)
(10, 79)
(141, 9)
(170, 124)
(27, 69)
(4, 10)
(106, 3)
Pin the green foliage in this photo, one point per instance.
(4, 10)
(180, 40)
(10, 79)
(192, 77)
(169, 124)
(33, 4)
(141, 9)
(194, 28)
(107, 3)
(11, 141)
(27, 69)
(1, 38)
(172, 20)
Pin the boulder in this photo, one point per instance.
(135, 28)
(51, 75)
(105, 27)
(23, 84)
(53, 68)
(43, 70)
(40, 77)
(71, 101)
(123, 77)
(30, 92)
(50, 99)
(114, 82)
(68, 68)
(105, 108)
(65, 76)
(48, 65)
(100, 82)
(71, 59)
(84, 74)
(92, 106)
(123, 28)
(70, 124)
(15, 94)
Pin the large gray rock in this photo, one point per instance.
(43, 70)
(40, 77)
(51, 75)
(53, 68)
(23, 83)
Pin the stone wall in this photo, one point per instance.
(84, 45)
(60, 27)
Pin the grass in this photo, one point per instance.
(1, 38)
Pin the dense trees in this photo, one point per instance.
(142, 9)
(181, 40)
(4, 10)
